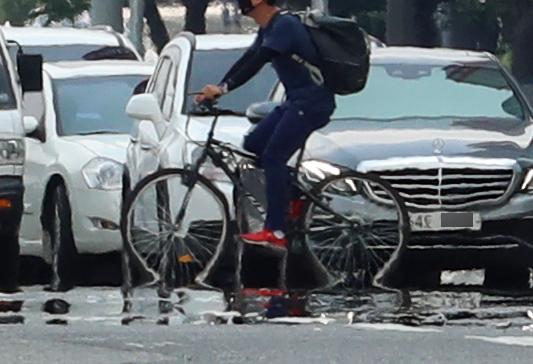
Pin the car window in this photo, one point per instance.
(209, 67)
(170, 92)
(94, 105)
(396, 91)
(278, 94)
(159, 86)
(7, 98)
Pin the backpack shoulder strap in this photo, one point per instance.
(314, 71)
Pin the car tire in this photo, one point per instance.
(505, 278)
(65, 257)
(9, 263)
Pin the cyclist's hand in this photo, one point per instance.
(209, 93)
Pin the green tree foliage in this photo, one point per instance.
(58, 10)
(16, 11)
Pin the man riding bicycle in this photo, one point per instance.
(308, 107)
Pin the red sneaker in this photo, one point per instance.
(296, 209)
(265, 237)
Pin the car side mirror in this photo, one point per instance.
(30, 70)
(30, 124)
(257, 112)
(144, 107)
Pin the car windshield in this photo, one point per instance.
(56, 53)
(397, 91)
(209, 67)
(7, 99)
(94, 105)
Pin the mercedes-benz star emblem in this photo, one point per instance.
(438, 144)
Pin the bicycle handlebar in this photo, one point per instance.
(209, 108)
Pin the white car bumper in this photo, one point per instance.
(95, 220)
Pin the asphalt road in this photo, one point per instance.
(438, 327)
(311, 343)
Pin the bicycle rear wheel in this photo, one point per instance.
(357, 230)
(177, 232)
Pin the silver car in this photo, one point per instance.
(453, 133)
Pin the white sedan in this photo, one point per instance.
(74, 161)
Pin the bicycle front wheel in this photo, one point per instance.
(176, 230)
(356, 229)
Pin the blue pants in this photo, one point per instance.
(275, 140)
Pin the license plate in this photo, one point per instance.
(445, 221)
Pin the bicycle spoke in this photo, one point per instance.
(200, 245)
(371, 251)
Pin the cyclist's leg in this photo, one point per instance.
(290, 135)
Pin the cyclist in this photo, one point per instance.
(308, 107)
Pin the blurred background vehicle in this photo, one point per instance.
(74, 162)
(12, 151)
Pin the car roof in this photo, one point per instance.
(76, 69)
(223, 41)
(37, 36)
(430, 56)
(437, 56)
(234, 41)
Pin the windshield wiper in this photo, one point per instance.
(101, 132)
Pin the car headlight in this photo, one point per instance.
(103, 174)
(313, 172)
(316, 171)
(11, 151)
(527, 185)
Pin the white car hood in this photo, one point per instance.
(230, 129)
(111, 146)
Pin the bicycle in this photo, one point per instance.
(354, 225)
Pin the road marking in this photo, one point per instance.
(135, 345)
(393, 327)
(505, 340)
(301, 320)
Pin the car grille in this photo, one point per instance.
(446, 187)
